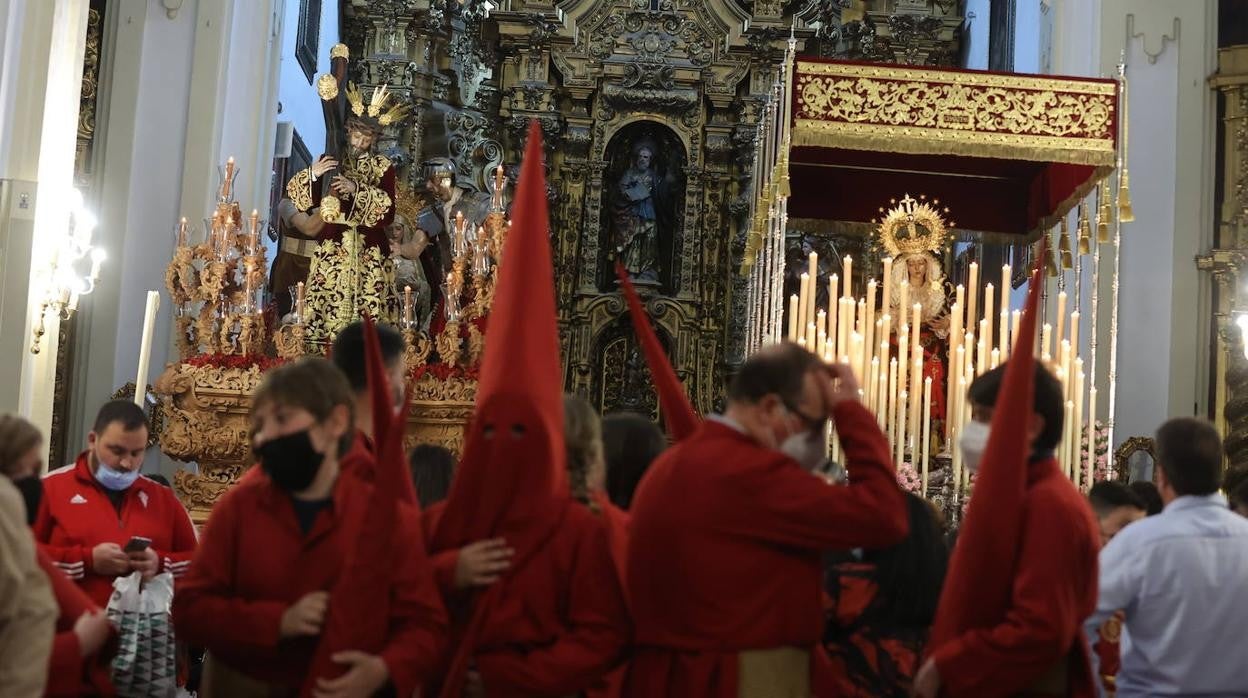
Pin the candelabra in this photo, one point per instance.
(223, 275)
(64, 284)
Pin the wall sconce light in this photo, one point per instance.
(64, 284)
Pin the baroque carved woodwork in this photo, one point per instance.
(1228, 261)
(606, 79)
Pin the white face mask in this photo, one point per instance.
(809, 449)
(973, 440)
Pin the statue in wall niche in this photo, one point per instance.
(641, 208)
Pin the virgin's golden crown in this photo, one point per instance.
(913, 226)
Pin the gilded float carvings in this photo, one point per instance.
(920, 111)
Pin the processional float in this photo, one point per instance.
(891, 153)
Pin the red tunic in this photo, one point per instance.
(69, 673)
(558, 623)
(255, 562)
(724, 550)
(1054, 591)
(75, 515)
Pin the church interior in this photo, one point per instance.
(197, 195)
(194, 191)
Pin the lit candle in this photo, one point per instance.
(253, 238)
(793, 318)
(986, 333)
(1091, 427)
(812, 338)
(1006, 285)
(834, 311)
(1076, 457)
(887, 296)
(892, 403)
(927, 428)
(812, 269)
(848, 266)
(981, 360)
(145, 346)
(972, 295)
(299, 303)
(1046, 333)
(916, 323)
(498, 188)
(881, 396)
(870, 324)
(1061, 317)
(996, 357)
(821, 332)
(803, 301)
(229, 178)
(903, 355)
(902, 411)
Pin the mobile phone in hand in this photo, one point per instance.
(137, 544)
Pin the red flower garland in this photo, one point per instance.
(246, 361)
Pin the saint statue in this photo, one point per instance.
(912, 233)
(407, 246)
(638, 214)
(444, 203)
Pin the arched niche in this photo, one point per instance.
(643, 194)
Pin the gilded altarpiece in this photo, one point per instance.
(684, 80)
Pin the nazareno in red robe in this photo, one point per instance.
(725, 537)
(1054, 591)
(253, 562)
(69, 673)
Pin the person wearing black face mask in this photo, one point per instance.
(257, 596)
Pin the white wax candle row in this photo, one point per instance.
(979, 338)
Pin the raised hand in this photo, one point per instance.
(324, 164)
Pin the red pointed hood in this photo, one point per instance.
(512, 475)
(978, 586)
(358, 609)
(678, 414)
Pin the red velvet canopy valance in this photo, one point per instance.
(1005, 153)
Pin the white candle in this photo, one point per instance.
(813, 271)
(849, 276)
(1046, 333)
(927, 427)
(1074, 333)
(1006, 285)
(1015, 317)
(1061, 317)
(145, 346)
(892, 403)
(869, 324)
(793, 312)
(1004, 343)
(972, 296)
(802, 302)
(887, 296)
(986, 333)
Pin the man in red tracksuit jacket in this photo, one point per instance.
(91, 509)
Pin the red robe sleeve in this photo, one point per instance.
(780, 502)
(74, 560)
(205, 595)
(1046, 615)
(418, 622)
(66, 666)
(177, 559)
(598, 629)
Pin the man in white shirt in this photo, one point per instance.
(1178, 577)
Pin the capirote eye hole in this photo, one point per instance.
(517, 430)
(487, 431)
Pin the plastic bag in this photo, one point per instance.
(146, 661)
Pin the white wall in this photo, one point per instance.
(178, 96)
(300, 103)
(1164, 308)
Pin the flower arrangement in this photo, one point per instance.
(443, 372)
(239, 361)
(1103, 469)
(909, 478)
